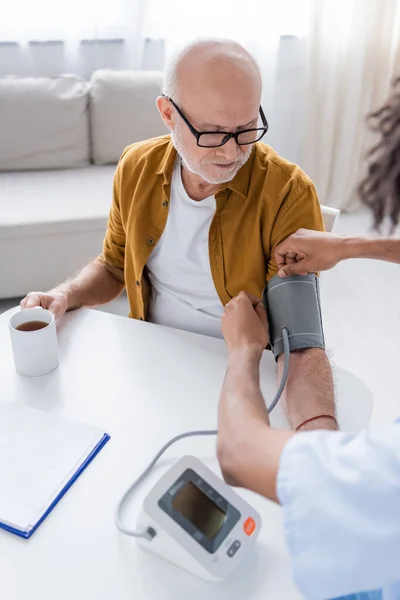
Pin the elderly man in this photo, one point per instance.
(195, 215)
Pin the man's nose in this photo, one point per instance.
(229, 150)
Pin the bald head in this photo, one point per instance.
(217, 68)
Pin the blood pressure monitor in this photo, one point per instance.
(198, 521)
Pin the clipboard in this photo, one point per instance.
(30, 485)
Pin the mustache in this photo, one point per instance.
(238, 162)
(229, 162)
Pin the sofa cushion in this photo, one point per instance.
(36, 203)
(123, 110)
(52, 223)
(43, 123)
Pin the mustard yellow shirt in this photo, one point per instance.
(267, 200)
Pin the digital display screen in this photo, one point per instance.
(200, 510)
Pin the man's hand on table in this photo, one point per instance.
(55, 302)
(308, 251)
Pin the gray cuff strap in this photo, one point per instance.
(294, 303)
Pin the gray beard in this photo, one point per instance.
(196, 170)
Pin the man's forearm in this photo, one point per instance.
(93, 286)
(309, 391)
(248, 449)
(387, 249)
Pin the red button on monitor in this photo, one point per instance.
(249, 526)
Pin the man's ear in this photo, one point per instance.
(166, 111)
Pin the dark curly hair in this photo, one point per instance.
(380, 190)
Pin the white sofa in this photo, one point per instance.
(60, 139)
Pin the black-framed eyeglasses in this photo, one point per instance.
(214, 139)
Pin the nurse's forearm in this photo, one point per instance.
(387, 249)
(248, 449)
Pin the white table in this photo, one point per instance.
(142, 384)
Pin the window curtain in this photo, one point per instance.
(352, 55)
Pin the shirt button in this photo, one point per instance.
(151, 241)
(165, 204)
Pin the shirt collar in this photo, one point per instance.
(239, 184)
(166, 165)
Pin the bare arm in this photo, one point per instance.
(387, 249)
(94, 285)
(248, 449)
(308, 251)
(309, 392)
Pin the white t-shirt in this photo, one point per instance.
(183, 291)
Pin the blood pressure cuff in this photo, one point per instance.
(294, 303)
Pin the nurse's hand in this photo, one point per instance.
(308, 251)
(245, 325)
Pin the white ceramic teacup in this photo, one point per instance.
(35, 352)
